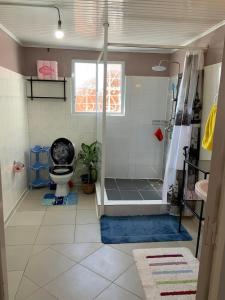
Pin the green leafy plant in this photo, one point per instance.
(88, 156)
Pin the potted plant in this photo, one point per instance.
(173, 200)
(88, 156)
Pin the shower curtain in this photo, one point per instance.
(183, 129)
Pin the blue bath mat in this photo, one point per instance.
(139, 229)
(70, 199)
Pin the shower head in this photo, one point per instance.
(159, 68)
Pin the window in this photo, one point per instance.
(84, 87)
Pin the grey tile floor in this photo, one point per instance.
(56, 253)
(133, 189)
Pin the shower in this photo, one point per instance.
(160, 67)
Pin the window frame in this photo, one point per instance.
(73, 86)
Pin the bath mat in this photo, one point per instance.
(49, 199)
(139, 229)
(167, 273)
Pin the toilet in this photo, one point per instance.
(62, 153)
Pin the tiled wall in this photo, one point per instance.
(13, 136)
(50, 119)
(131, 149)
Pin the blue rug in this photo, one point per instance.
(139, 229)
(70, 199)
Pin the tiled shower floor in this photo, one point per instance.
(133, 189)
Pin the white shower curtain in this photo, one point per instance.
(182, 129)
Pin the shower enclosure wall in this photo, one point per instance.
(134, 156)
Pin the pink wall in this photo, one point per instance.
(11, 53)
(136, 64)
(215, 43)
(23, 59)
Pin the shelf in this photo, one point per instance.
(47, 80)
(37, 166)
(38, 149)
(39, 182)
(35, 97)
(32, 96)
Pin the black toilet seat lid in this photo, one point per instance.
(62, 152)
(60, 170)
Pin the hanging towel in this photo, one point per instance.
(207, 142)
(158, 134)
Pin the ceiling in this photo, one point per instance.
(164, 22)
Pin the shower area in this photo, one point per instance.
(134, 157)
(136, 141)
(140, 132)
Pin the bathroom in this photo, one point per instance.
(134, 136)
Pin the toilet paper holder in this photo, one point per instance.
(18, 166)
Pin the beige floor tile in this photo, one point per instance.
(191, 225)
(58, 234)
(86, 216)
(24, 218)
(14, 279)
(188, 244)
(83, 196)
(37, 193)
(41, 294)
(17, 257)
(31, 205)
(77, 283)
(117, 293)
(61, 208)
(89, 233)
(37, 249)
(26, 288)
(128, 248)
(130, 280)
(108, 262)
(77, 252)
(21, 235)
(59, 218)
(86, 203)
(46, 266)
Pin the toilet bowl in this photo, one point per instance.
(62, 153)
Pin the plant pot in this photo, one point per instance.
(174, 210)
(84, 178)
(88, 188)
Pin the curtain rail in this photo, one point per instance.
(120, 45)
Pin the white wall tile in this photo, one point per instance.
(13, 136)
(50, 119)
(131, 149)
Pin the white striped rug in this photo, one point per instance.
(167, 273)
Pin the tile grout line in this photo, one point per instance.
(78, 262)
(123, 288)
(107, 287)
(23, 274)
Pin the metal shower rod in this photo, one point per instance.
(151, 46)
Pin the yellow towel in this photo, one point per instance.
(207, 142)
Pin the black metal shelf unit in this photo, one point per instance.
(32, 80)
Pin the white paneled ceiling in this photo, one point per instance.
(163, 22)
